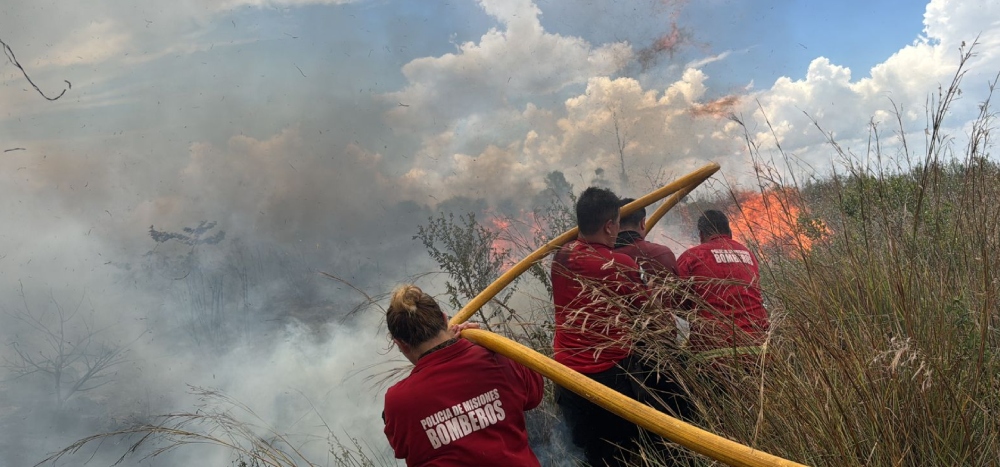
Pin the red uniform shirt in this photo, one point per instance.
(726, 275)
(652, 258)
(593, 288)
(462, 405)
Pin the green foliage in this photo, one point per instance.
(882, 348)
(465, 251)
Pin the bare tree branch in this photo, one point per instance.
(13, 61)
(66, 347)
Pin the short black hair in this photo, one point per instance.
(595, 207)
(713, 222)
(634, 219)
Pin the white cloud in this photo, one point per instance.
(94, 43)
(660, 130)
(843, 102)
(518, 60)
(676, 128)
(709, 59)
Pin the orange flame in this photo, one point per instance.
(776, 221)
(502, 243)
(516, 233)
(719, 108)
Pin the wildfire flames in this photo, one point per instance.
(516, 235)
(502, 243)
(775, 220)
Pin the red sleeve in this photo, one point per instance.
(524, 380)
(666, 258)
(533, 385)
(392, 430)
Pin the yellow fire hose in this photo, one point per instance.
(687, 435)
(688, 181)
(667, 205)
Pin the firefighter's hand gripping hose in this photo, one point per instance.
(687, 435)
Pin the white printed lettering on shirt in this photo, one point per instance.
(452, 424)
(732, 256)
(435, 442)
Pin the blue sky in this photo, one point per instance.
(786, 36)
(364, 45)
(779, 38)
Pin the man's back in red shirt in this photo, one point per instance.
(726, 276)
(462, 405)
(653, 259)
(594, 289)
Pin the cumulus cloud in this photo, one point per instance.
(667, 130)
(515, 61)
(660, 132)
(843, 102)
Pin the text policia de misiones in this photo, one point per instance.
(459, 420)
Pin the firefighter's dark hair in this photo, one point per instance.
(634, 219)
(413, 316)
(594, 208)
(713, 222)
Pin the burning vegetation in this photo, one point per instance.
(719, 108)
(775, 220)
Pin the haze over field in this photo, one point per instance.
(317, 135)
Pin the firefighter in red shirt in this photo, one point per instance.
(597, 293)
(461, 404)
(655, 260)
(731, 320)
(659, 270)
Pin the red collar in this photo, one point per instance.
(441, 355)
(718, 236)
(595, 245)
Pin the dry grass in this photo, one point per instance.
(884, 332)
(223, 422)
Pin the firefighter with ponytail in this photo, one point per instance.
(461, 403)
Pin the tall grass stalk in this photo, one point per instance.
(233, 427)
(884, 336)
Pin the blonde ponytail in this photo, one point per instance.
(405, 298)
(413, 316)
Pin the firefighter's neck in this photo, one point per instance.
(707, 237)
(606, 235)
(413, 353)
(599, 237)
